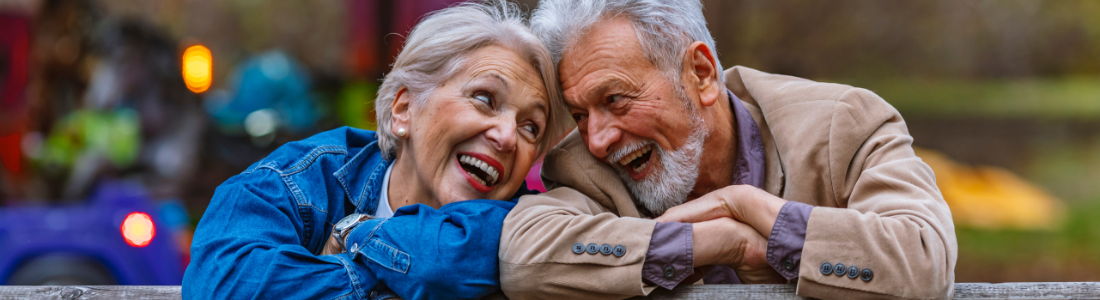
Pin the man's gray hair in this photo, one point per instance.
(665, 28)
(436, 50)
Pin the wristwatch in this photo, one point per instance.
(342, 228)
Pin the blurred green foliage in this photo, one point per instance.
(355, 105)
(909, 39)
(1071, 253)
(1046, 98)
(112, 134)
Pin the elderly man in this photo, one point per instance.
(767, 178)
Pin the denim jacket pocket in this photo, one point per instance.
(386, 255)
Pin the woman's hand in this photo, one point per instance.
(332, 246)
(724, 241)
(743, 203)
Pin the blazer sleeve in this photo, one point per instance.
(891, 217)
(537, 257)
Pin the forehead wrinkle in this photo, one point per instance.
(534, 89)
(611, 49)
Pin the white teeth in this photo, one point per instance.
(636, 154)
(471, 161)
(477, 178)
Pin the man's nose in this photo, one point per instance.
(502, 136)
(601, 135)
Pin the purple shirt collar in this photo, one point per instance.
(670, 256)
(749, 167)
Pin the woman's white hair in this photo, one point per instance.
(437, 47)
(665, 28)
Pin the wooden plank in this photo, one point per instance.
(1028, 290)
(1012, 290)
(728, 291)
(90, 292)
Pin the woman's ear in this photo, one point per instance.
(399, 113)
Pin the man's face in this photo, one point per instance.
(632, 116)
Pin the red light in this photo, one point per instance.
(138, 229)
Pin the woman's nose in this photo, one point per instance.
(502, 136)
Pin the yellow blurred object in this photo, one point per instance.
(198, 68)
(991, 197)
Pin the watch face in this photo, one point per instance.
(346, 221)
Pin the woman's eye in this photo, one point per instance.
(533, 129)
(578, 117)
(614, 98)
(484, 97)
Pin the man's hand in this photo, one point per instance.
(724, 241)
(744, 203)
(332, 246)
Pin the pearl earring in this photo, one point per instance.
(401, 132)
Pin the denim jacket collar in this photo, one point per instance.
(361, 177)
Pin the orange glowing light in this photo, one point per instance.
(198, 68)
(138, 229)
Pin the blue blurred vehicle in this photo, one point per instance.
(88, 244)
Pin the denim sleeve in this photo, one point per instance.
(787, 238)
(248, 245)
(424, 253)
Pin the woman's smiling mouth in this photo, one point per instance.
(482, 171)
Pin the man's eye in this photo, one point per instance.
(578, 117)
(614, 98)
(484, 97)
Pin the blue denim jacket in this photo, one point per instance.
(261, 235)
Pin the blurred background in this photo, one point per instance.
(119, 118)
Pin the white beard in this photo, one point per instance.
(675, 176)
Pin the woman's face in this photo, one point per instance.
(477, 135)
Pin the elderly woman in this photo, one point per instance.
(471, 102)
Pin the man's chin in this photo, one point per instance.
(655, 195)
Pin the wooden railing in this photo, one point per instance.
(1012, 290)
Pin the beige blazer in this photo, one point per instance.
(839, 148)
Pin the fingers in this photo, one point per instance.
(720, 241)
(703, 209)
(727, 202)
(332, 246)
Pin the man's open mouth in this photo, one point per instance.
(482, 172)
(637, 161)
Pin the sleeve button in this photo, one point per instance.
(593, 248)
(605, 249)
(826, 268)
(853, 272)
(619, 250)
(788, 264)
(578, 248)
(866, 275)
(669, 272)
(839, 269)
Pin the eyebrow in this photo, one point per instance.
(500, 78)
(496, 76)
(542, 107)
(602, 87)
